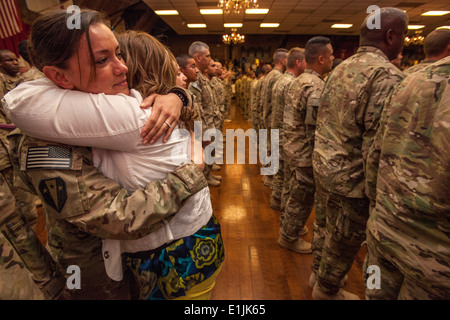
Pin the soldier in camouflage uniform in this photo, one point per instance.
(408, 229)
(27, 271)
(256, 105)
(299, 126)
(204, 96)
(82, 205)
(279, 58)
(295, 66)
(436, 47)
(347, 120)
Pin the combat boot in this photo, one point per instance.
(212, 182)
(303, 232)
(313, 280)
(319, 294)
(216, 177)
(299, 245)
(215, 167)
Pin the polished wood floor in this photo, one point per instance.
(255, 267)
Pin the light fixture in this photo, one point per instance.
(269, 25)
(417, 39)
(234, 37)
(196, 25)
(211, 11)
(166, 12)
(232, 25)
(444, 27)
(435, 13)
(415, 27)
(236, 6)
(341, 26)
(256, 11)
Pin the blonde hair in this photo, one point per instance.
(152, 67)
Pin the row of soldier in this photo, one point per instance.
(330, 145)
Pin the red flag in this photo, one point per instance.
(10, 22)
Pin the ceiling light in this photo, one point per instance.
(196, 25)
(444, 27)
(415, 27)
(341, 26)
(435, 13)
(269, 25)
(233, 25)
(236, 6)
(211, 11)
(256, 11)
(234, 37)
(166, 12)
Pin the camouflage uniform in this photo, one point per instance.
(279, 92)
(347, 120)
(220, 96)
(266, 96)
(253, 102)
(300, 115)
(238, 88)
(27, 272)
(408, 232)
(423, 64)
(82, 207)
(258, 112)
(229, 95)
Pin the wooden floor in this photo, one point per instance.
(255, 267)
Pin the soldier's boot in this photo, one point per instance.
(216, 177)
(313, 280)
(303, 232)
(319, 294)
(275, 203)
(212, 182)
(299, 245)
(215, 167)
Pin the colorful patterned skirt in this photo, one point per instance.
(169, 271)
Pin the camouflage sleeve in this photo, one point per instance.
(382, 85)
(207, 106)
(26, 244)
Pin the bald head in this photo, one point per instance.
(390, 35)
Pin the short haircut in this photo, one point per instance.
(436, 42)
(315, 47)
(4, 52)
(390, 18)
(23, 50)
(280, 54)
(183, 60)
(294, 55)
(197, 47)
(265, 68)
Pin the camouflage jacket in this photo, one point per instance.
(302, 103)
(219, 89)
(266, 96)
(83, 206)
(348, 117)
(205, 98)
(423, 64)
(412, 154)
(279, 93)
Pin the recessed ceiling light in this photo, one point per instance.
(196, 25)
(415, 27)
(341, 26)
(211, 11)
(435, 13)
(232, 25)
(256, 11)
(166, 12)
(269, 25)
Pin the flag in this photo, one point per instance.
(49, 157)
(10, 21)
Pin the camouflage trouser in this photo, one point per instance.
(319, 228)
(278, 179)
(286, 188)
(346, 220)
(395, 284)
(299, 204)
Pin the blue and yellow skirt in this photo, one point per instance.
(170, 271)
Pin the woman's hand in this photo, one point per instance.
(164, 117)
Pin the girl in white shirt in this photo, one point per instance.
(181, 260)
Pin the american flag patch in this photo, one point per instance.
(50, 157)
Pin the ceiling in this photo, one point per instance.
(295, 16)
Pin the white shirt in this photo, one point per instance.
(111, 124)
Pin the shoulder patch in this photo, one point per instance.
(49, 157)
(54, 192)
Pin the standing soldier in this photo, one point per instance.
(279, 58)
(408, 229)
(257, 106)
(347, 120)
(295, 67)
